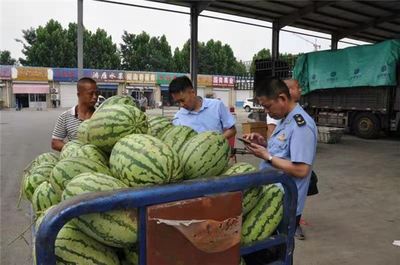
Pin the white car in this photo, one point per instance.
(250, 105)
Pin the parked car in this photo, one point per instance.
(250, 105)
(100, 99)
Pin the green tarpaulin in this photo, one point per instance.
(366, 65)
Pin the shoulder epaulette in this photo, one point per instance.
(299, 120)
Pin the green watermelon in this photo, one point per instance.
(82, 132)
(113, 122)
(44, 197)
(74, 247)
(250, 196)
(67, 169)
(117, 100)
(48, 157)
(141, 159)
(115, 228)
(131, 256)
(265, 217)
(69, 148)
(158, 125)
(35, 177)
(205, 155)
(91, 152)
(176, 136)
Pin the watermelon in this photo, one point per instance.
(131, 256)
(113, 122)
(250, 196)
(74, 247)
(48, 157)
(265, 217)
(82, 134)
(44, 197)
(91, 152)
(176, 136)
(158, 125)
(69, 148)
(140, 159)
(67, 169)
(118, 100)
(114, 228)
(35, 177)
(205, 155)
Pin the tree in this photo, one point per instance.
(5, 58)
(214, 58)
(144, 53)
(54, 46)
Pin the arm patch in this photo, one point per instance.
(299, 120)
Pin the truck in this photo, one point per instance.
(356, 88)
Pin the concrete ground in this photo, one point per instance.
(353, 220)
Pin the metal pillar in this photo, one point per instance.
(334, 42)
(80, 38)
(194, 16)
(275, 40)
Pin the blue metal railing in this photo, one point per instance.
(141, 198)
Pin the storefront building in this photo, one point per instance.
(143, 84)
(163, 80)
(109, 82)
(223, 89)
(243, 89)
(31, 87)
(5, 86)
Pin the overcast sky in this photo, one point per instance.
(245, 40)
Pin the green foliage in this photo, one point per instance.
(5, 58)
(54, 46)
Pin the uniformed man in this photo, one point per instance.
(200, 114)
(292, 145)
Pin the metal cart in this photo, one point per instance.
(145, 197)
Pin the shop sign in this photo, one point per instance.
(166, 78)
(65, 74)
(33, 74)
(204, 80)
(223, 81)
(105, 75)
(141, 77)
(5, 72)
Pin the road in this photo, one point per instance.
(353, 220)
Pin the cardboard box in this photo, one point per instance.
(252, 127)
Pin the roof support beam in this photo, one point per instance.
(80, 38)
(367, 25)
(275, 40)
(302, 12)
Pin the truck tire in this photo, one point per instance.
(366, 125)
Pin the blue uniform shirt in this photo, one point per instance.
(212, 116)
(297, 144)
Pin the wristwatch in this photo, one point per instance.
(269, 159)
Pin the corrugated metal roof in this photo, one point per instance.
(370, 21)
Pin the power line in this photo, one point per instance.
(218, 18)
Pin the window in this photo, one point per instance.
(37, 97)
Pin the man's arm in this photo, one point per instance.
(231, 132)
(57, 144)
(59, 133)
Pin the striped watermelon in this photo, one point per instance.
(69, 148)
(176, 136)
(158, 125)
(74, 247)
(141, 159)
(131, 256)
(250, 196)
(35, 177)
(265, 217)
(91, 152)
(82, 133)
(117, 100)
(44, 197)
(67, 169)
(48, 157)
(205, 155)
(115, 228)
(113, 122)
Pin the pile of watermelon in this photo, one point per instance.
(120, 147)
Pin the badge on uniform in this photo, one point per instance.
(299, 120)
(281, 137)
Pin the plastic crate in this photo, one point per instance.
(329, 135)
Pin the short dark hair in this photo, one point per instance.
(85, 80)
(270, 87)
(180, 84)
